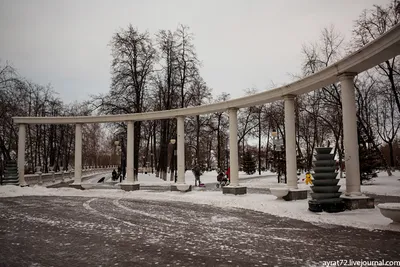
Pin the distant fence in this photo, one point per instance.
(32, 179)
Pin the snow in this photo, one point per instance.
(390, 206)
(367, 219)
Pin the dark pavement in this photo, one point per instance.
(76, 231)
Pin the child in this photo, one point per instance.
(308, 178)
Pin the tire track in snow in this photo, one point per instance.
(150, 229)
(158, 217)
(86, 205)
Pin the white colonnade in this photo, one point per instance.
(350, 143)
(383, 48)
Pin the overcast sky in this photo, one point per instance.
(241, 44)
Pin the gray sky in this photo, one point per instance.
(242, 44)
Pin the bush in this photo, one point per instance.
(249, 163)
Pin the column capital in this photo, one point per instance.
(233, 109)
(347, 75)
(289, 97)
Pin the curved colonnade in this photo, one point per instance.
(385, 47)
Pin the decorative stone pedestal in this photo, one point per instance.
(77, 186)
(391, 211)
(130, 187)
(181, 187)
(358, 202)
(295, 194)
(279, 192)
(328, 205)
(326, 195)
(236, 190)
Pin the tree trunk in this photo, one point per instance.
(198, 139)
(137, 131)
(267, 148)
(390, 143)
(393, 85)
(219, 143)
(154, 158)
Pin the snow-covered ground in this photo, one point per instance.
(368, 219)
(382, 185)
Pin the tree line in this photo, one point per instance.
(163, 72)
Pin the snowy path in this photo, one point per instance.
(92, 231)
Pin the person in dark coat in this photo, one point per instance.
(197, 173)
(114, 175)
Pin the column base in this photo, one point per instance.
(236, 190)
(130, 187)
(358, 202)
(181, 187)
(77, 186)
(296, 194)
(328, 205)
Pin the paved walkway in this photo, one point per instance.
(77, 231)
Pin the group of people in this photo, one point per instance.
(120, 174)
(222, 176)
(196, 172)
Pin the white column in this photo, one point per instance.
(290, 142)
(350, 136)
(233, 145)
(181, 149)
(129, 156)
(78, 154)
(21, 154)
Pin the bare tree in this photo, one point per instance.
(132, 65)
(369, 26)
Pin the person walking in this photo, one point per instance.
(228, 174)
(197, 173)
